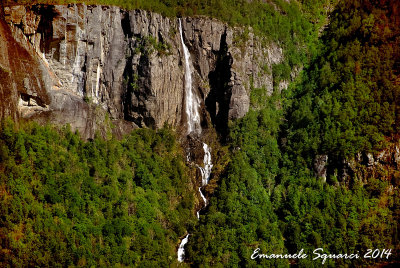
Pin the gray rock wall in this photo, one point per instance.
(130, 64)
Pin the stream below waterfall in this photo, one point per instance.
(192, 105)
(205, 176)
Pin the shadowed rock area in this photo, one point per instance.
(76, 63)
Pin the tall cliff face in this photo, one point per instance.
(130, 63)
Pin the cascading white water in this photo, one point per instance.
(96, 93)
(192, 102)
(203, 197)
(205, 176)
(181, 249)
(194, 127)
(206, 170)
(97, 89)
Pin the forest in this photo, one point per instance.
(128, 202)
(345, 102)
(103, 203)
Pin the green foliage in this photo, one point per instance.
(240, 217)
(101, 203)
(162, 48)
(266, 202)
(344, 103)
(293, 25)
(147, 45)
(134, 85)
(348, 100)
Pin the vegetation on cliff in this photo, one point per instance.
(294, 25)
(107, 202)
(104, 202)
(266, 201)
(348, 100)
(345, 102)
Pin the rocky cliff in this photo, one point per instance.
(383, 165)
(76, 63)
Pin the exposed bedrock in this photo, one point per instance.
(59, 62)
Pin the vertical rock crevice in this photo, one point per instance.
(138, 85)
(127, 91)
(130, 63)
(218, 100)
(45, 27)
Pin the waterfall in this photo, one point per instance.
(181, 249)
(192, 106)
(203, 197)
(205, 176)
(97, 89)
(206, 170)
(192, 102)
(96, 94)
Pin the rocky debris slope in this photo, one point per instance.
(383, 165)
(130, 63)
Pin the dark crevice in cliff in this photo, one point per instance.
(129, 94)
(126, 25)
(2, 9)
(84, 79)
(137, 85)
(218, 100)
(128, 78)
(339, 168)
(142, 88)
(45, 27)
(32, 100)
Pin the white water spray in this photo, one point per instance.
(205, 177)
(192, 101)
(181, 249)
(97, 89)
(206, 170)
(204, 199)
(96, 93)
